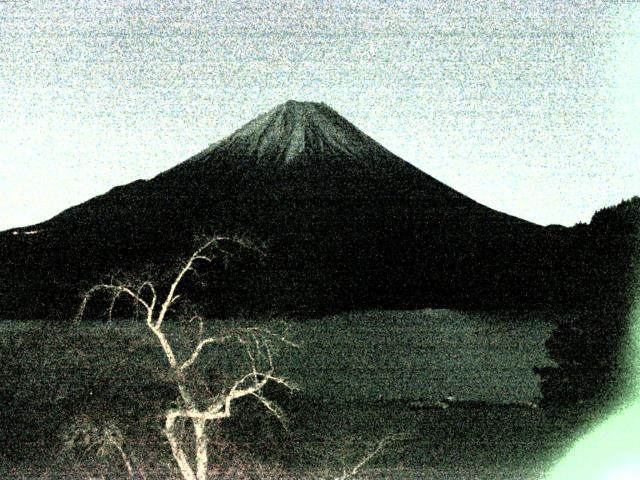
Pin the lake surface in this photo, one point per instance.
(378, 355)
(422, 355)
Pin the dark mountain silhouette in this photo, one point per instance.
(347, 224)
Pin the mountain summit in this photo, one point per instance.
(295, 132)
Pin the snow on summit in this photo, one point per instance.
(297, 130)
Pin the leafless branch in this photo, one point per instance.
(116, 291)
(271, 407)
(171, 296)
(381, 445)
(198, 349)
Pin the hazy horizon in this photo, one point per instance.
(530, 108)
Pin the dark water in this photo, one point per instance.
(426, 354)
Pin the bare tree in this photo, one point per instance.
(195, 407)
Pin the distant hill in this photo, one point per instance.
(346, 224)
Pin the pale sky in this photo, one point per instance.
(530, 107)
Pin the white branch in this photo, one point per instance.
(117, 290)
(368, 457)
(202, 257)
(113, 304)
(125, 458)
(164, 343)
(198, 349)
(171, 296)
(154, 297)
(272, 407)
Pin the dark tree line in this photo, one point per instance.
(589, 349)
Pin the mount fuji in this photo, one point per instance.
(346, 224)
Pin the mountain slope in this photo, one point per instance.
(347, 223)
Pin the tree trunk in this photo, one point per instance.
(202, 460)
(178, 454)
